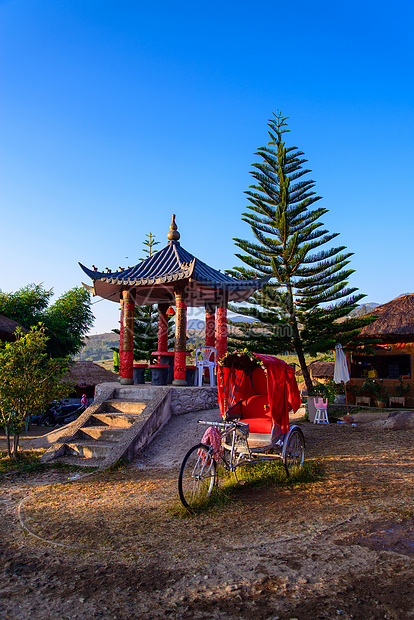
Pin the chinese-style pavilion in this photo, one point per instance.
(171, 276)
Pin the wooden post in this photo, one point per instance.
(126, 351)
(180, 346)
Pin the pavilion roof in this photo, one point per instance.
(171, 265)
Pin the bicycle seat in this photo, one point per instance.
(259, 425)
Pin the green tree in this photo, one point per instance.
(302, 309)
(149, 245)
(29, 380)
(27, 305)
(67, 320)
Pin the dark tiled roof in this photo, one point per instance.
(172, 264)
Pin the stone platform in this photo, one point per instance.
(183, 399)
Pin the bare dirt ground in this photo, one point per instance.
(109, 546)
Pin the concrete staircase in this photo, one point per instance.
(111, 428)
(105, 429)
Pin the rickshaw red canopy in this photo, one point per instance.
(263, 388)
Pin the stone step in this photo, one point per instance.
(119, 420)
(137, 392)
(90, 449)
(125, 406)
(79, 462)
(101, 433)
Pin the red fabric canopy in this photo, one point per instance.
(235, 384)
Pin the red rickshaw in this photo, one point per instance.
(256, 393)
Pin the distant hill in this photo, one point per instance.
(242, 319)
(98, 347)
(364, 309)
(196, 324)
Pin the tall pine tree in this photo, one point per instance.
(146, 317)
(302, 309)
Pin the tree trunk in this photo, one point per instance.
(9, 454)
(297, 342)
(15, 446)
(302, 362)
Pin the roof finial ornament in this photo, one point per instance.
(173, 234)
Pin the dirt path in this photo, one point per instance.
(339, 547)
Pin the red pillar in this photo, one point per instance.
(221, 331)
(180, 347)
(121, 320)
(126, 341)
(162, 327)
(210, 338)
(210, 327)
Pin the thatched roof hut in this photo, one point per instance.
(87, 375)
(319, 370)
(395, 321)
(8, 327)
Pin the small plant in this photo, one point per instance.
(119, 464)
(328, 390)
(374, 388)
(401, 389)
(340, 387)
(357, 390)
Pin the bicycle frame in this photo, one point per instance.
(241, 453)
(198, 472)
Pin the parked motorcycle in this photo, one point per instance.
(47, 417)
(68, 413)
(58, 414)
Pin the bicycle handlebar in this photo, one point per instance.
(226, 425)
(218, 424)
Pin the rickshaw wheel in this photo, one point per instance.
(294, 451)
(197, 476)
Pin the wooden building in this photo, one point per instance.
(392, 360)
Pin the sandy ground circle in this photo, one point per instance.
(339, 547)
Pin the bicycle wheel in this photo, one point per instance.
(197, 476)
(294, 452)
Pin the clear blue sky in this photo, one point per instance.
(116, 114)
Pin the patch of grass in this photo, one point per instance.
(119, 464)
(266, 474)
(219, 498)
(28, 463)
(272, 473)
